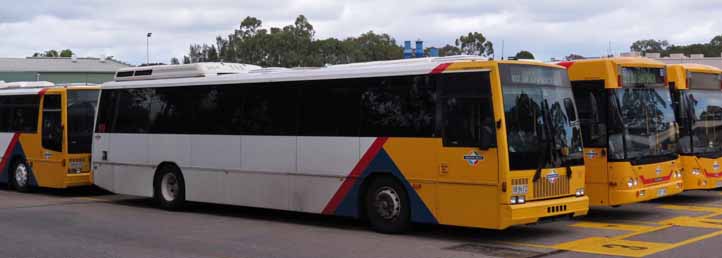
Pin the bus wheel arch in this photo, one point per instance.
(169, 186)
(389, 187)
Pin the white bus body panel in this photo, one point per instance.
(277, 172)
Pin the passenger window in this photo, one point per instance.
(52, 135)
(468, 117)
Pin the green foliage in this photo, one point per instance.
(524, 55)
(711, 49)
(476, 44)
(54, 53)
(292, 46)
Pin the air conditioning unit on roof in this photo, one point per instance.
(182, 71)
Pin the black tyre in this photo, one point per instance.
(387, 206)
(20, 177)
(169, 188)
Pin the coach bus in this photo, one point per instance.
(46, 134)
(697, 95)
(457, 141)
(629, 129)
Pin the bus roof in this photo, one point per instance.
(185, 75)
(697, 68)
(35, 87)
(606, 69)
(623, 61)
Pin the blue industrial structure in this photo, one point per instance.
(418, 51)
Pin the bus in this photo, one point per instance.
(697, 95)
(456, 141)
(629, 129)
(46, 134)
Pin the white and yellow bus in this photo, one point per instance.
(46, 134)
(697, 94)
(630, 133)
(457, 141)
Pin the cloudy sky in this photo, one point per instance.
(546, 28)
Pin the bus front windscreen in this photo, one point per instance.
(541, 119)
(703, 103)
(81, 112)
(641, 124)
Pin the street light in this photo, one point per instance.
(147, 47)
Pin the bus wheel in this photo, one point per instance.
(387, 206)
(20, 177)
(169, 188)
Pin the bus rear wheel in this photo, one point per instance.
(169, 188)
(20, 177)
(387, 206)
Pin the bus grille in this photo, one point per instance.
(543, 189)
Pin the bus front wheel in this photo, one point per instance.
(387, 206)
(169, 188)
(20, 177)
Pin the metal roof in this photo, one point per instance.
(61, 64)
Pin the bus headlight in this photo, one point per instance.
(579, 192)
(696, 172)
(630, 183)
(518, 199)
(514, 200)
(636, 182)
(521, 200)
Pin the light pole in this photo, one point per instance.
(147, 48)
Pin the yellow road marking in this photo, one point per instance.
(609, 246)
(613, 226)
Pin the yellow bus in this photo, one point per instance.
(458, 140)
(629, 129)
(697, 94)
(46, 134)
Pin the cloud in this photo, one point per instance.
(546, 28)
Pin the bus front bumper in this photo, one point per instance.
(533, 211)
(702, 183)
(627, 196)
(79, 179)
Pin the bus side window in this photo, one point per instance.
(52, 135)
(467, 114)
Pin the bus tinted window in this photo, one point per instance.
(132, 110)
(329, 100)
(81, 112)
(467, 109)
(215, 109)
(270, 110)
(19, 113)
(401, 106)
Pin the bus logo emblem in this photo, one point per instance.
(552, 177)
(715, 165)
(658, 170)
(591, 154)
(473, 158)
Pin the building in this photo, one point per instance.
(59, 70)
(681, 59)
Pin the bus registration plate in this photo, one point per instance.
(661, 192)
(719, 183)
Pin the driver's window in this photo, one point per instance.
(468, 118)
(52, 134)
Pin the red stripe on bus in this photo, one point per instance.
(9, 151)
(566, 64)
(441, 68)
(42, 92)
(647, 181)
(354, 175)
(712, 175)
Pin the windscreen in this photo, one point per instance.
(81, 112)
(704, 106)
(642, 124)
(541, 120)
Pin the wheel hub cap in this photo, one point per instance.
(387, 203)
(169, 187)
(21, 175)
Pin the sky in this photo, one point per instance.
(555, 28)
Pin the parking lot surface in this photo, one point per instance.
(91, 223)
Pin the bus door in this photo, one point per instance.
(468, 171)
(50, 165)
(591, 99)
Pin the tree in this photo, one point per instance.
(449, 50)
(174, 61)
(649, 46)
(524, 55)
(66, 53)
(572, 57)
(474, 43)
